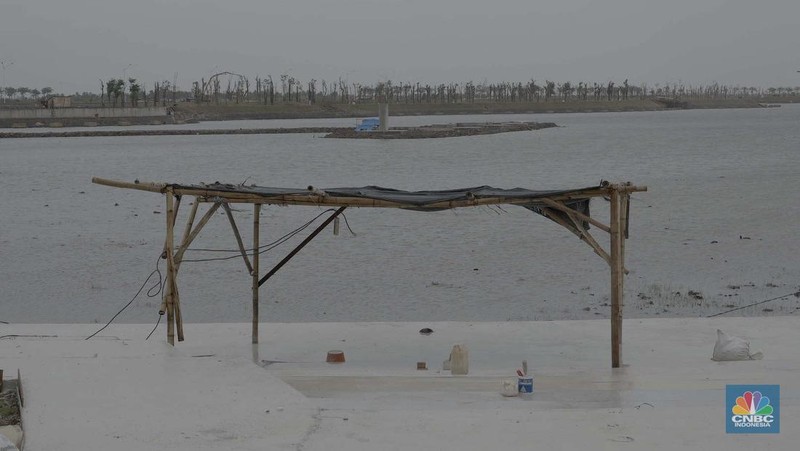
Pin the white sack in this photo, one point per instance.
(730, 348)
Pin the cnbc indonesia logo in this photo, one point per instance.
(752, 411)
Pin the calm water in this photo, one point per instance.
(77, 252)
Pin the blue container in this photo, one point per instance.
(525, 385)
(368, 124)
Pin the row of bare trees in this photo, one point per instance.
(229, 87)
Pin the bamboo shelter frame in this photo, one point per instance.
(554, 206)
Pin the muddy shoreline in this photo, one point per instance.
(439, 131)
(209, 112)
(194, 113)
(442, 130)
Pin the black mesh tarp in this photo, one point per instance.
(423, 200)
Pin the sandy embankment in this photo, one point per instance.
(190, 112)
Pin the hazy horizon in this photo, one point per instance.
(72, 45)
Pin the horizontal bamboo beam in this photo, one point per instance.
(192, 191)
(146, 186)
(627, 188)
(317, 198)
(331, 201)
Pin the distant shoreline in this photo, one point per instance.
(443, 131)
(193, 113)
(209, 112)
(167, 132)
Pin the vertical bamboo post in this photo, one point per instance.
(176, 260)
(616, 280)
(256, 229)
(168, 293)
(176, 302)
(624, 212)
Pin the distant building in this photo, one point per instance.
(59, 102)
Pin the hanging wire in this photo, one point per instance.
(154, 327)
(348, 225)
(263, 248)
(158, 286)
(215, 259)
(795, 294)
(154, 291)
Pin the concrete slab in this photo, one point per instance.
(119, 393)
(213, 391)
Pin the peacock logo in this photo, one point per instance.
(752, 403)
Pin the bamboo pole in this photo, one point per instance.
(254, 272)
(624, 205)
(624, 218)
(616, 281)
(175, 209)
(189, 223)
(589, 239)
(331, 201)
(302, 244)
(203, 221)
(321, 199)
(177, 305)
(170, 270)
(176, 206)
(238, 237)
(176, 297)
(173, 273)
(579, 232)
(579, 215)
(145, 186)
(624, 211)
(176, 262)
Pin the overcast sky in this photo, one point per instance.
(72, 44)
